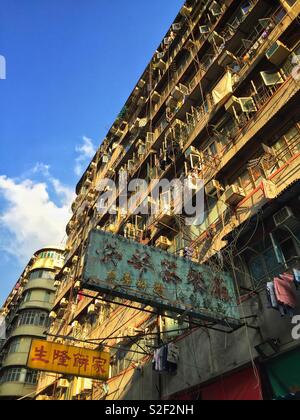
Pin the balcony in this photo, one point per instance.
(29, 330)
(16, 389)
(65, 287)
(285, 176)
(40, 284)
(36, 304)
(15, 359)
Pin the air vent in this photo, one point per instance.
(286, 217)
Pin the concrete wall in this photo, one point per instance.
(206, 354)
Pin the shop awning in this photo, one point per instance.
(284, 374)
(241, 386)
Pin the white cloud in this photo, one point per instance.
(86, 152)
(31, 219)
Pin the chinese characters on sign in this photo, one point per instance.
(58, 358)
(150, 276)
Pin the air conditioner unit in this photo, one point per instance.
(180, 92)
(189, 45)
(160, 55)
(271, 78)
(238, 105)
(75, 259)
(63, 383)
(66, 271)
(76, 325)
(247, 104)
(278, 53)
(119, 133)
(176, 27)
(98, 303)
(186, 11)
(53, 315)
(77, 285)
(150, 138)
(227, 59)
(141, 83)
(204, 29)
(215, 9)
(163, 243)
(57, 284)
(91, 309)
(141, 101)
(284, 217)
(171, 102)
(87, 385)
(88, 183)
(213, 188)
(105, 158)
(161, 65)
(192, 151)
(178, 125)
(155, 96)
(234, 195)
(134, 128)
(90, 197)
(113, 129)
(216, 39)
(64, 303)
(136, 91)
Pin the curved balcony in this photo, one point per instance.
(16, 359)
(36, 304)
(29, 330)
(44, 284)
(16, 389)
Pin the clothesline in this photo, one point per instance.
(281, 293)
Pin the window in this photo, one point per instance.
(42, 274)
(288, 145)
(27, 297)
(43, 320)
(47, 297)
(293, 139)
(20, 375)
(31, 377)
(37, 318)
(289, 250)
(11, 375)
(14, 346)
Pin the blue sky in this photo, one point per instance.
(71, 65)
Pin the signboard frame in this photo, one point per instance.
(45, 355)
(115, 247)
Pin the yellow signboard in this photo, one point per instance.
(68, 360)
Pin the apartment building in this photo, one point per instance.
(26, 313)
(219, 101)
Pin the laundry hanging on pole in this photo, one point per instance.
(223, 89)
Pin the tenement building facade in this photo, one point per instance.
(25, 316)
(219, 102)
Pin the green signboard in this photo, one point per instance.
(127, 269)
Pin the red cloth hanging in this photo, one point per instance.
(240, 386)
(285, 291)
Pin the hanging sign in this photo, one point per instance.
(68, 360)
(127, 269)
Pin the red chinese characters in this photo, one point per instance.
(62, 358)
(81, 361)
(40, 354)
(99, 365)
